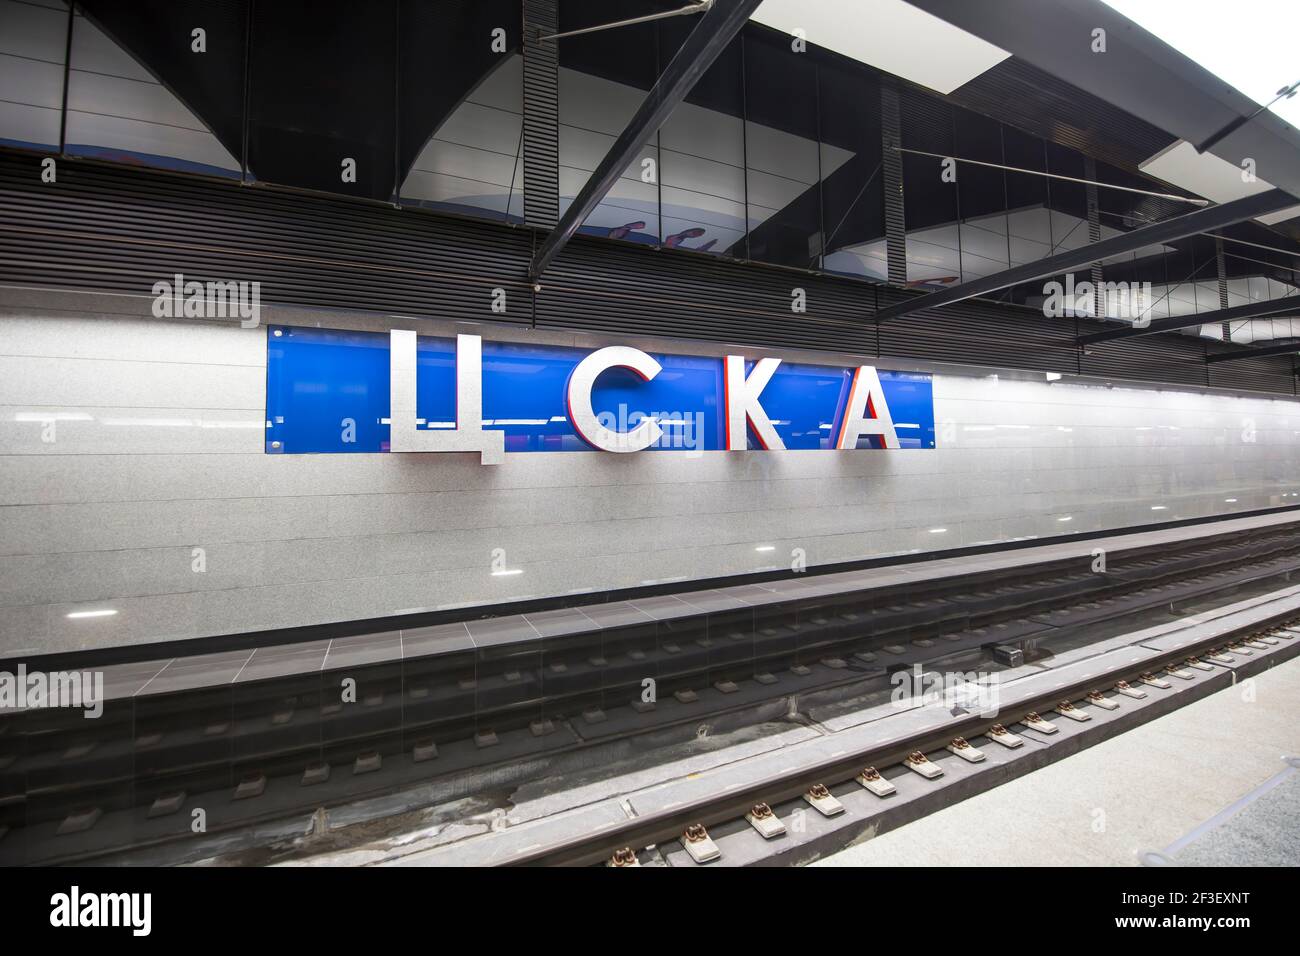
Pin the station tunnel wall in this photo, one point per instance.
(136, 478)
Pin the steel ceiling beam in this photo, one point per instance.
(1139, 73)
(1251, 310)
(717, 27)
(1280, 349)
(1167, 230)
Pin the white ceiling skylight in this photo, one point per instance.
(890, 35)
(1249, 44)
(1210, 176)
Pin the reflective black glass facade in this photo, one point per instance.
(774, 157)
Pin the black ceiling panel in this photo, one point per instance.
(322, 90)
(158, 34)
(1039, 103)
(444, 51)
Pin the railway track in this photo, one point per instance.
(250, 738)
(809, 787)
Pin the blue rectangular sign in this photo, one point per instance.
(328, 392)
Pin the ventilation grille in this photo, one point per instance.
(541, 115)
(892, 166)
(114, 229)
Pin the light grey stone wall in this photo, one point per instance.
(158, 431)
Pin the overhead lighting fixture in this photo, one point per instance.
(890, 35)
(106, 612)
(507, 573)
(1207, 175)
(1249, 44)
(1259, 61)
(766, 547)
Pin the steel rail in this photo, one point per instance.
(667, 826)
(1234, 559)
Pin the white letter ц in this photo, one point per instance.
(468, 435)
